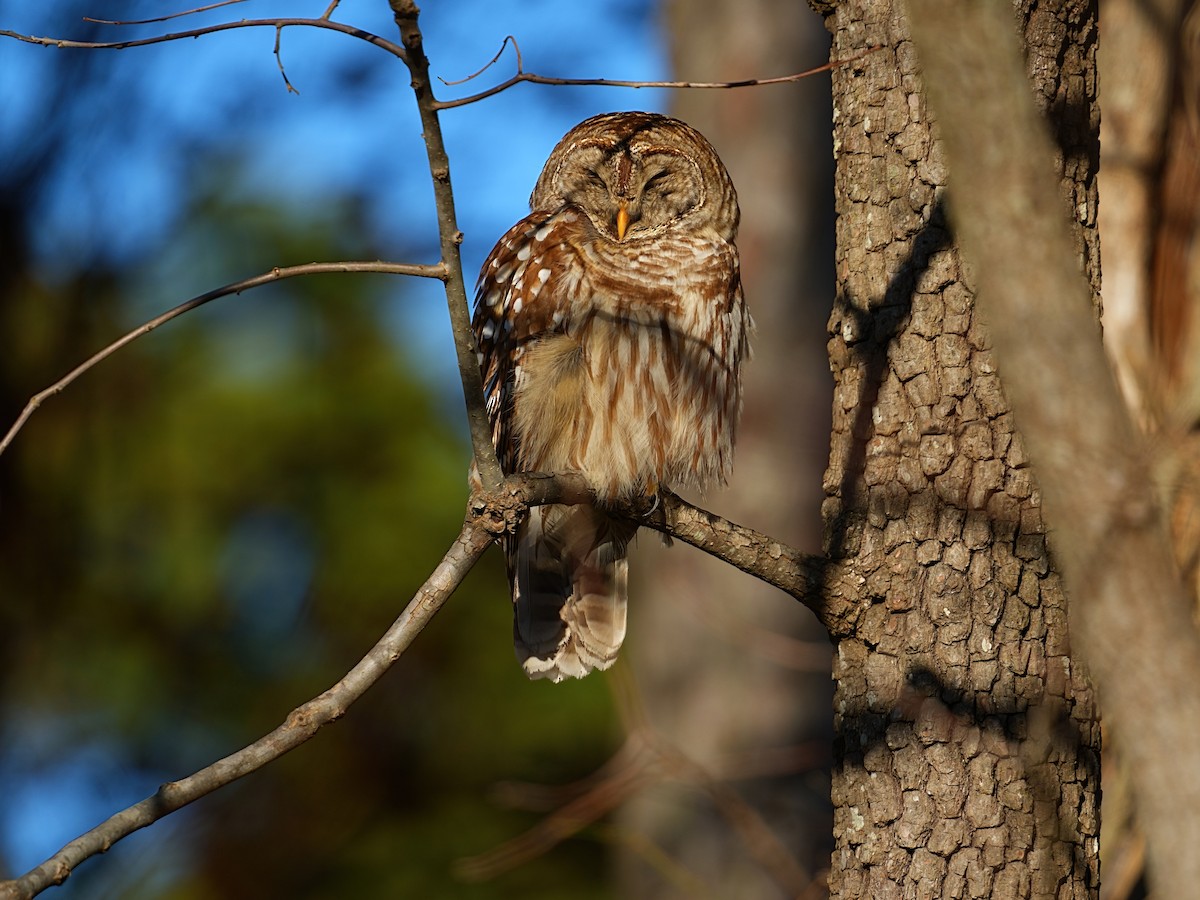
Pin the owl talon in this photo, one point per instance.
(654, 497)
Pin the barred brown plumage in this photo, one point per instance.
(611, 329)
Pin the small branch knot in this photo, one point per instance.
(499, 512)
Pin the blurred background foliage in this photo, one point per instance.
(213, 526)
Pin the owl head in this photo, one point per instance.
(638, 176)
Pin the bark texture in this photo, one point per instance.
(967, 751)
(1130, 614)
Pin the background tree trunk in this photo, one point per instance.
(967, 743)
(1149, 147)
(731, 671)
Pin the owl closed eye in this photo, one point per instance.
(611, 328)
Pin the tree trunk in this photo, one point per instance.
(967, 750)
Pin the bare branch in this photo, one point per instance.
(508, 39)
(166, 18)
(329, 24)
(823, 585)
(490, 513)
(300, 725)
(406, 14)
(531, 78)
(237, 287)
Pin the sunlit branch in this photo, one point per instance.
(490, 513)
(406, 14)
(508, 39)
(63, 43)
(166, 18)
(237, 287)
(300, 725)
(822, 585)
(531, 78)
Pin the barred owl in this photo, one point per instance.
(611, 329)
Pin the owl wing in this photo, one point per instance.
(566, 564)
(517, 303)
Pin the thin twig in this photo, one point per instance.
(329, 9)
(685, 882)
(300, 725)
(406, 14)
(329, 24)
(166, 18)
(508, 39)
(236, 287)
(763, 844)
(531, 78)
(279, 62)
(673, 762)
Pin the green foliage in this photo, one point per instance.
(213, 526)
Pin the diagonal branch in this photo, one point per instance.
(406, 13)
(823, 587)
(817, 584)
(276, 274)
(300, 725)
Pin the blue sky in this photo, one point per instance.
(124, 182)
(352, 127)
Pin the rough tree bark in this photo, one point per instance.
(967, 756)
(1130, 612)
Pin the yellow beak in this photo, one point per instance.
(622, 219)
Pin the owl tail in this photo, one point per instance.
(569, 584)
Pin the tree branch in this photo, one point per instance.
(277, 274)
(300, 725)
(406, 13)
(167, 17)
(823, 587)
(329, 24)
(531, 78)
(826, 587)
